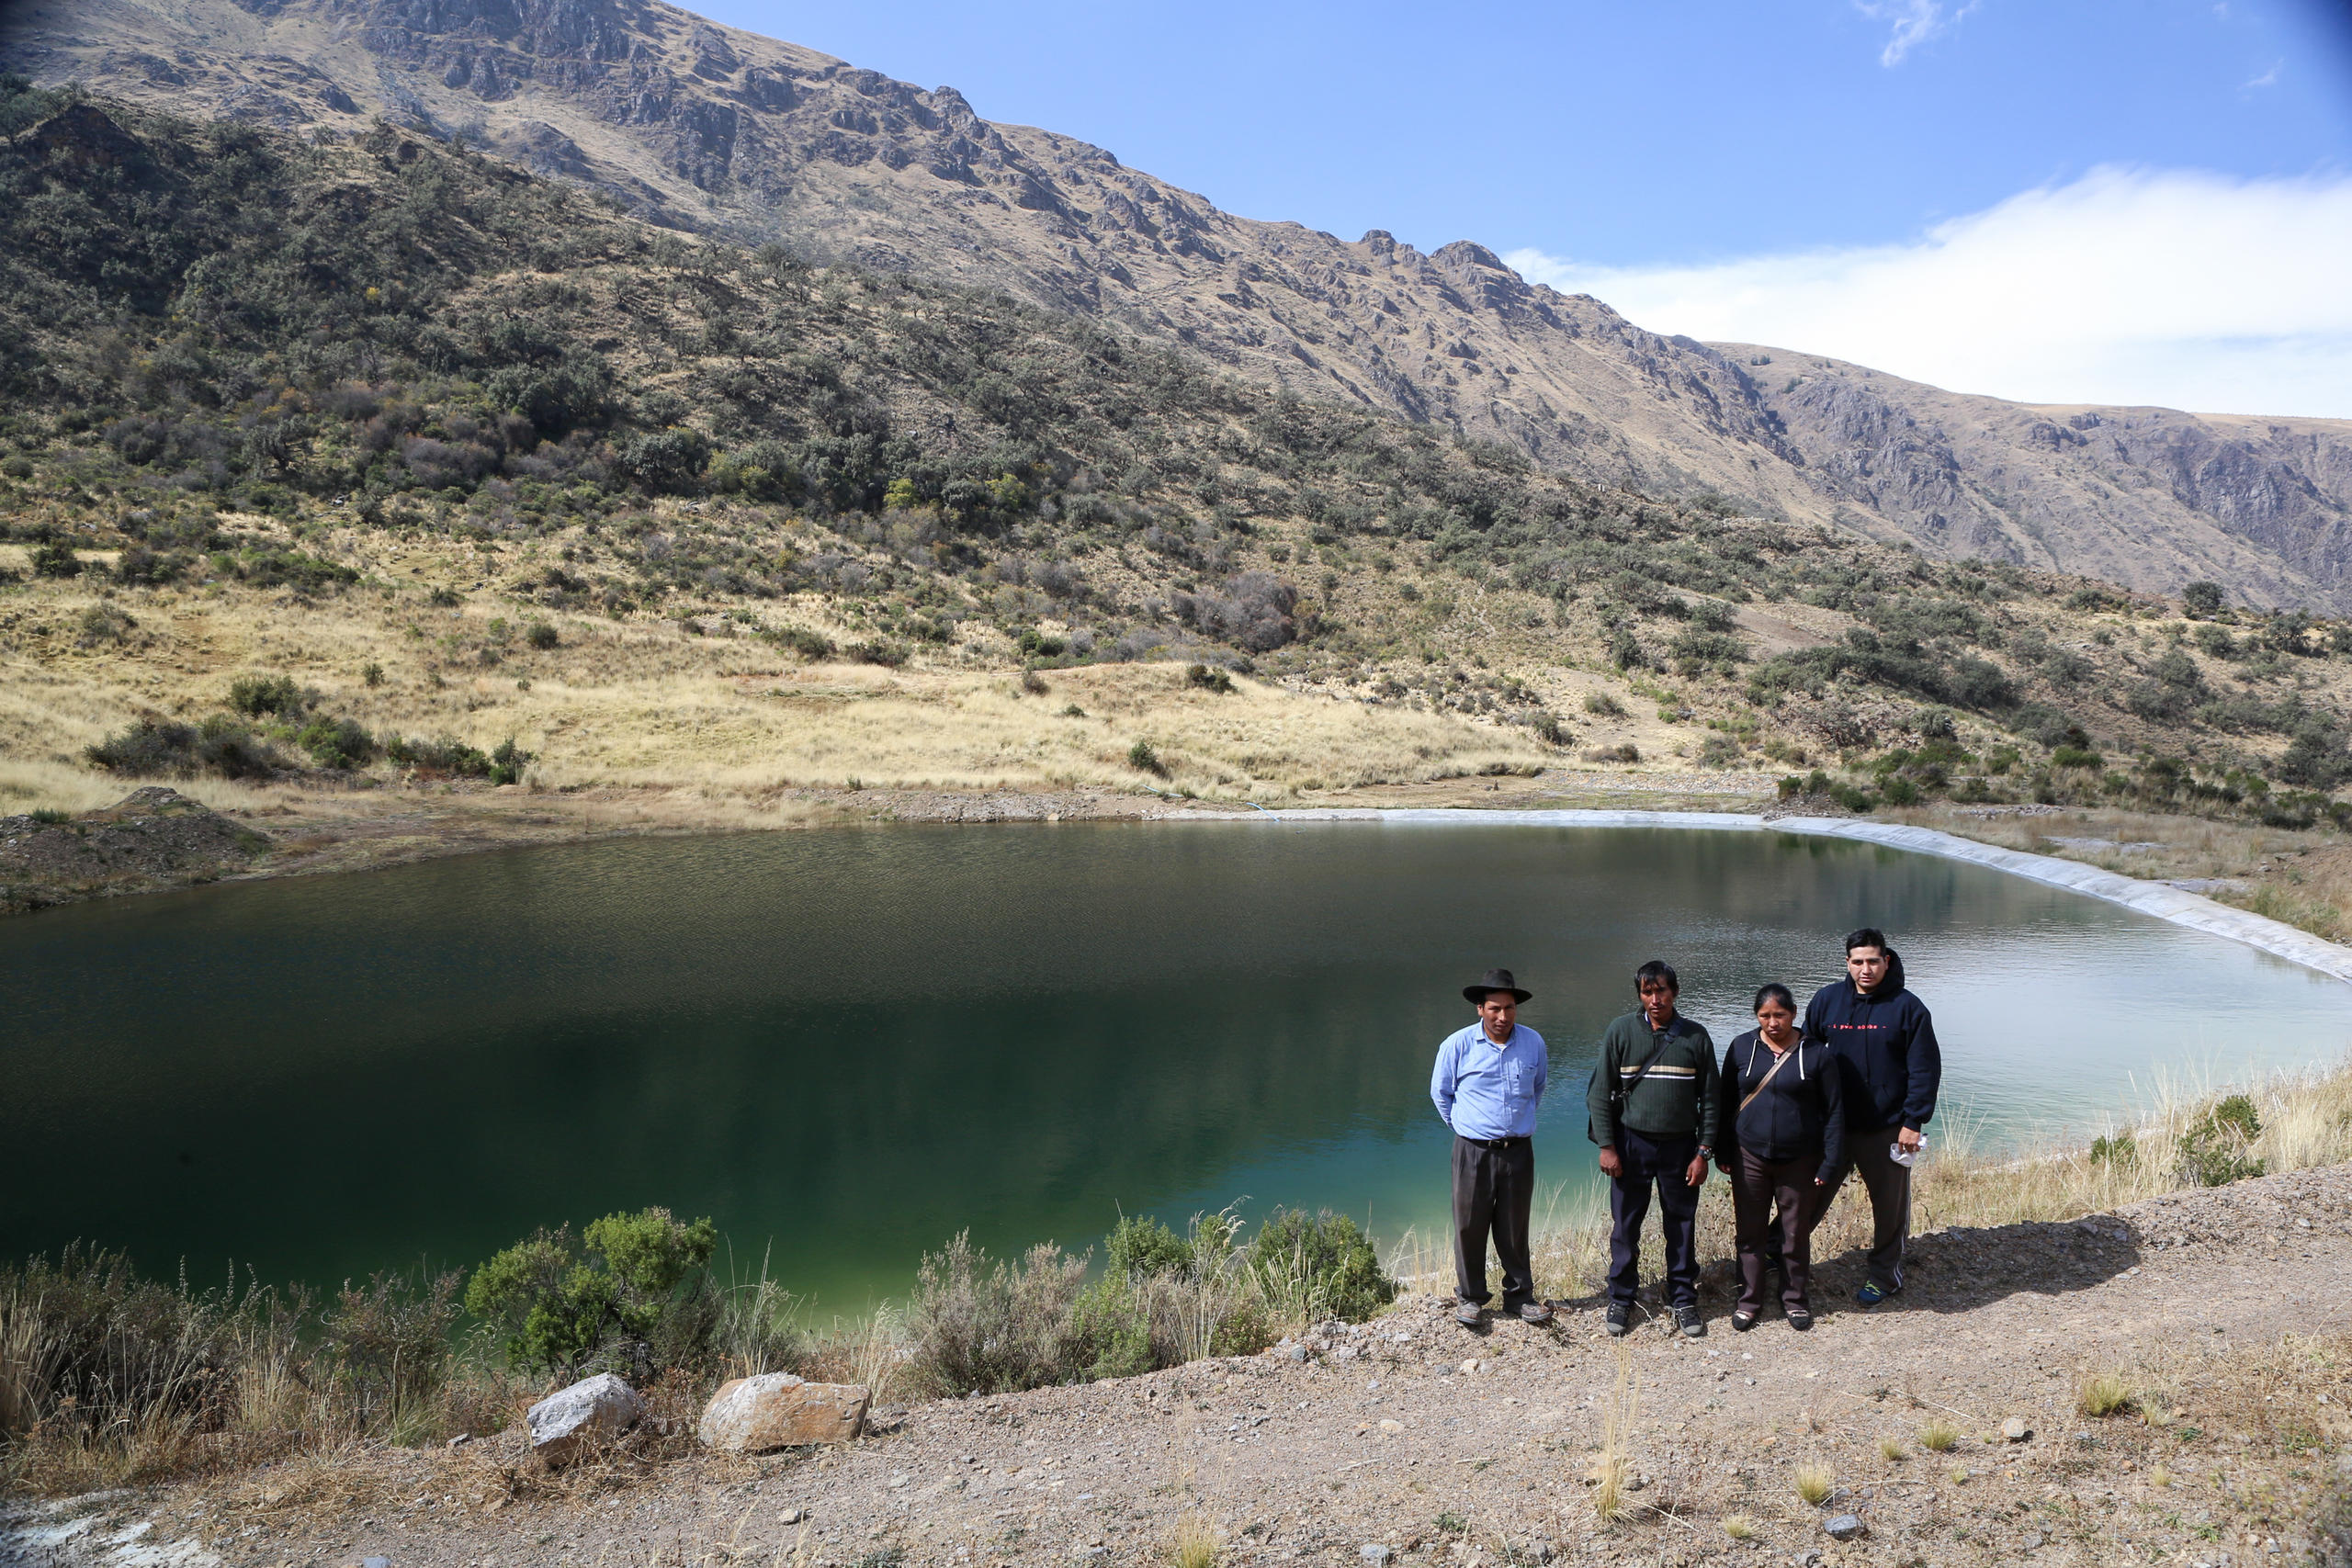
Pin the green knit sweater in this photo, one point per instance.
(1675, 1098)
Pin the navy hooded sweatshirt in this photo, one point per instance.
(1887, 1044)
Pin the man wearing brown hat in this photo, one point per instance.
(1488, 1082)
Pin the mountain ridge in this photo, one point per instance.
(701, 126)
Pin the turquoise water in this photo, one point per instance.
(846, 1045)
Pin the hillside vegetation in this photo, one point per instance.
(362, 460)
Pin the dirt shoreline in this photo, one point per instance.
(1448, 1446)
(312, 831)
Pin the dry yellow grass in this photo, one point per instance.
(1612, 1470)
(1814, 1482)
(643, 703)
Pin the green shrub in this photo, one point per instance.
(255, 695)
(2213, 1149)
(2120, 1152)
(802, 641)
(1144, 760)
(2076, 757)
(373, 673)
(878, 651)
(1208, 679)
(541, 636)
(563, 1305)
(1141, 1244)
(50, 817)
(1604, 705)
(337, 743)
(55, 557)
(507, 761)
(1320, 1266)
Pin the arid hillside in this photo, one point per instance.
(703, 127)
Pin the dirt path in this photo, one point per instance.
(1443, 1446)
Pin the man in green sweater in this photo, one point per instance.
(1652, 1110)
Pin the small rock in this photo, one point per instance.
(1635, 1482)
(1391, 1427)
(792, 1515)
(1374, 1553)
(779, 1411)
(375, 1563)
(1471, 1366)
(1846, 1526)
(2015, 1430)
(2032, 1543)
(1292, 1352)
(570, 1418)
(896, 1482)
(460, 1440)
(1540, 1549)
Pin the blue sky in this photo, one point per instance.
(1628, 144)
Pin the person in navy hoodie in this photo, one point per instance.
(1884, 1041)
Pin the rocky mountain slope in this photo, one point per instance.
(701, 126)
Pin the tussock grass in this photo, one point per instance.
(1613, 1468)
(1194, 1543)
(1814, 1482)
(1892, 1450)
(2104, 1393)
(1739, 1527)
(1939, 1437)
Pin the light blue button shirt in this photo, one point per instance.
(1486, 1090)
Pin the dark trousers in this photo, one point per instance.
(1889, 1185)
(1661, 1163)
(1757, 1185)
(1494, 1190)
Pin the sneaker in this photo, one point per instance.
(1688, 1320)
(1535, 1312)
(1801, 1322)
(1468, 1314)
(1741, 1322)
(1620, 1317)
(1873, 1293)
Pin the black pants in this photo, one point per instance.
(1888, 1182)
(1494, 1190)
(1663, 1163)
(1757, 1185)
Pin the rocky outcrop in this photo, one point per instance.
(695, 125)
(778, 1410)
(572, 1422)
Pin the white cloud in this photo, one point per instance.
(2176, 288)
(1916, 21)
(2268, 78)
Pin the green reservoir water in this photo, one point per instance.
(846, 1045)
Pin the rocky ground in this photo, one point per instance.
(155, 838)
(1413, 1436)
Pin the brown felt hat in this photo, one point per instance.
(1495, 980)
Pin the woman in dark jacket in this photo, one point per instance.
(1782, 1139)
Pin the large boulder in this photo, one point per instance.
(572, 1420)
(780, 1411)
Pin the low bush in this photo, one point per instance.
(337, 743)
(257, 697)
(1205, 678)
(1603, 705)
(802, 641)
(222, 745)
(1319, 1266)
(631, 1295)
(541, 636)
(978, 1328)
(1143, 759)
(2213, 1151)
